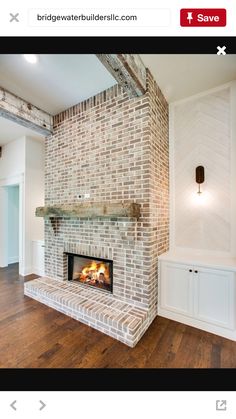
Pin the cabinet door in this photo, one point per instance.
(176, 288)
(214, 296)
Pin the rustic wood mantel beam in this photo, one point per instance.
(128, 70)
(24, 113)
(91, 210)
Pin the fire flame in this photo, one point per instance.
(94, 270)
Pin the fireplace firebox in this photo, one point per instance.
(89, 271)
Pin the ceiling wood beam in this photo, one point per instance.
(24, 113)
(128, 70)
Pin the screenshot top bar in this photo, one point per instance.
(167, 19)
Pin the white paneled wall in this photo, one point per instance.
(201, 134)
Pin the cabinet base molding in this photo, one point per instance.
(210, 328)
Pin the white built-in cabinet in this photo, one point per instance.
(38, 257)
(214, 292)
(198, 295)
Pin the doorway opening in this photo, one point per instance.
(13, 250)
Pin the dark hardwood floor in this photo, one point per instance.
(33, 335)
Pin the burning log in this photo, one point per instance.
(94, 273)
(101, 278)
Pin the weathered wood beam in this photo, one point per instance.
(128, 70)
(24, 113)
(90, 210)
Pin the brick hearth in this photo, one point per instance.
(103, 312)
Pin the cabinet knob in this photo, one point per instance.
(196, 272)
(190, 270)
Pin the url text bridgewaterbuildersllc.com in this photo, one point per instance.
(90, 17)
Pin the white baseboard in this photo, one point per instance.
(13, 259)
(32, 271)
(37, 271)
(3, 265)
(26, 271)
(190, 321)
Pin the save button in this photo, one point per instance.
(203, 17)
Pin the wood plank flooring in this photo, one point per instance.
(33, 335)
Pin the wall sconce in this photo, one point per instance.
(200, 177)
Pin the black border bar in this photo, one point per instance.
(139, 45)
(118, 380)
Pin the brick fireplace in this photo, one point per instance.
(116, 150)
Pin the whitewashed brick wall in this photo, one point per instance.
(116, 149)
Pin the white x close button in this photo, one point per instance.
(221, 50)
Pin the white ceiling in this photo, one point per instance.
(56, 82)
(10, 131)
(180, 76)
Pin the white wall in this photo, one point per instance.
(23, 159)
(201, 134)
(13, 224)
(12, 162)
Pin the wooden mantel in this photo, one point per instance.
(90, 210)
